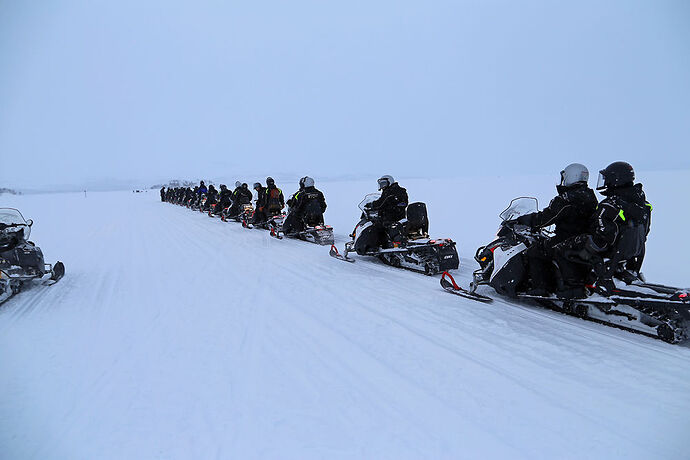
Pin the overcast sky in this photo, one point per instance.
(146, 90)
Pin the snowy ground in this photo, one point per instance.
(178, 336)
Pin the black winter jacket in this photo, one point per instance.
(308, 201)
(392, 204)
(571, 211)
(623, 208)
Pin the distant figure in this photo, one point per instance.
(162, 193)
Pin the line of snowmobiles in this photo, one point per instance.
(245, 214)
(21, 261)
(652, 309)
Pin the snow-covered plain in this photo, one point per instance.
(174, 335)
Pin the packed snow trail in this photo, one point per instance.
(174, 335)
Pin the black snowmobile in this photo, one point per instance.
(652, 309)
(244, 213)
(21, 261)
(318, 234)
(415, 250)
(314, 232)
(273, 223)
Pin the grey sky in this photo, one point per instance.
(147, 90)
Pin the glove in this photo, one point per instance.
(525, 220)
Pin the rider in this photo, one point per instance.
(224, 198)
(570, 211)
(621, 225)
(260, 212)
(275, 202)
(391, 207)
(241, 195)
(306, 207)
(202, 188)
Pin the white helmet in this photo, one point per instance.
(574, 173)
(308, 181)
(238, 184)
(386, 181)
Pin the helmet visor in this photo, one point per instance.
(562, 177)
(601, 182)
(383, 183)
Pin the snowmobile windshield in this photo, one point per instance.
(368, 199)
(12, 221)
(520, 207)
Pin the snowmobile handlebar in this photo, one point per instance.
(4, 226)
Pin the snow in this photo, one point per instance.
(174, 335)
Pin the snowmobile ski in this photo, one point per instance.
(334, 253)
(57, 272)
(452, 287)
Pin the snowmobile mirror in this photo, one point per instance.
(30, 222)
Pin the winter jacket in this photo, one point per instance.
(261, 198)
(308, 201)
(274, 199)
(392, 203)
(571, 211)
(241, 195)
(624, 211)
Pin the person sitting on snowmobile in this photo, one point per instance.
(224, 199)
(234, 207)
(392, 204)
(202, 189)
(306, 208)
(391, 207)
(275, 202)
(163, 193)
(211, 197)
(260, 212)
(570, 211)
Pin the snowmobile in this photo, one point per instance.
(21, 261)
(414, 250)
(246, 211)
(651, 309)
(317, 233)
(204, 203)
(272, 224)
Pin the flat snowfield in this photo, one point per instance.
(174, 335)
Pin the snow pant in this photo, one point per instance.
(540, 266)
(575, 262)
(259, 217)
(295, 222)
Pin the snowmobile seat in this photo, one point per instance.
(417, 222)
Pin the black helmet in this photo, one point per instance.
(256, 185)
(618, 174)
(201, 183)
(270, 182)
(244, 185)
(222, 186)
